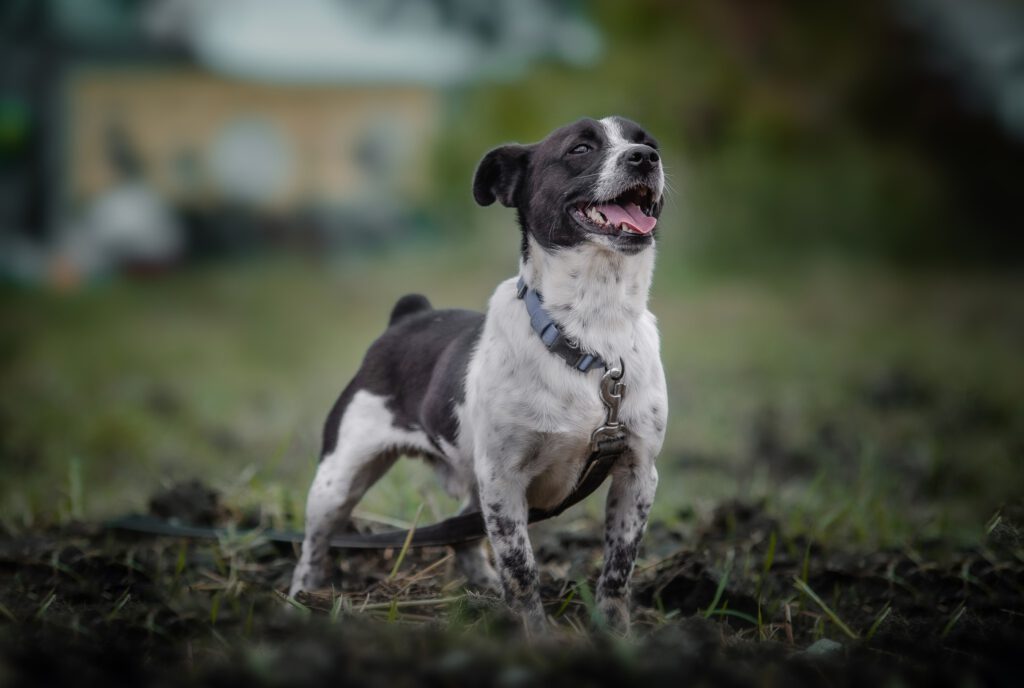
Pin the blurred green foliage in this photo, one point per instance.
(790, 130)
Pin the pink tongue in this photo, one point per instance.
(629, 214)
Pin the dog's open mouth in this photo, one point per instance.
(630, 212)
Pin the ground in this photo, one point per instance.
(733, 601)
(843, 464)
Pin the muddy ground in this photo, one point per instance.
(732, 601)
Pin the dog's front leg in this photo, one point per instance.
(505, 510)
(628, 506)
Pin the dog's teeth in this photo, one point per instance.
(595, 215)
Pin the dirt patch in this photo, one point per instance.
(188, 502)
(735, 603)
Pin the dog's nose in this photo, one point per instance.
(642, 157)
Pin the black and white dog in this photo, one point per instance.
(507, 423)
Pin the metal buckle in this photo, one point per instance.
(612, 390)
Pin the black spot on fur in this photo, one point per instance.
(619, 567)
(503, 526)
(517, 572)
(642, 511)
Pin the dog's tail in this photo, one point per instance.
(407, 305)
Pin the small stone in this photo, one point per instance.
(823, 648)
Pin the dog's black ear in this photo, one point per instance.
(500, 174)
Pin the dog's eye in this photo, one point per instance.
(580, 149)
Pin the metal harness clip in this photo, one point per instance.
(612, 390)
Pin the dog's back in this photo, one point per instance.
(418, 364)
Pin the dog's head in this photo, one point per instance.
(598, 181)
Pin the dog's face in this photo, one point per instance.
(598, 181)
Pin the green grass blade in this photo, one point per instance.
(41, 612)
(882, 616)
(993, 522)
(182, 560)
(336, 607)
(214, 608)
(405, 545)
(292, 602)
(953, 620)
(587, 597)
(119, 605)
(769, 557)
(565, 603)
(722, 582)
(403, 604)
(806, 589)
(749, 618)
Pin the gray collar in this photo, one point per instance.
(551, 335)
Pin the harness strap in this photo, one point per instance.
(466, 527)
(551, 334)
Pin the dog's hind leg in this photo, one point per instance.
(472, 560)
(341, 481)
(366, 446)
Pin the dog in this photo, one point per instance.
(508, 420)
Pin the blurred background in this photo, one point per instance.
(207, 210)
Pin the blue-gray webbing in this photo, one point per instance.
(551, 334)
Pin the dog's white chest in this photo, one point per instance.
(525, 402)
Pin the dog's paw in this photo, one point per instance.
(483, 580)
(614, 613)
(305, 581)
(535, 623)
(473, 564)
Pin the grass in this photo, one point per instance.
(45, 606)
(226, 372)
(722, 582)
(877, 623)
(405, 545)
(953, 620)
(803, 587)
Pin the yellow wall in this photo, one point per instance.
(168, 112)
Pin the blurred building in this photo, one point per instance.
(233, 121)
